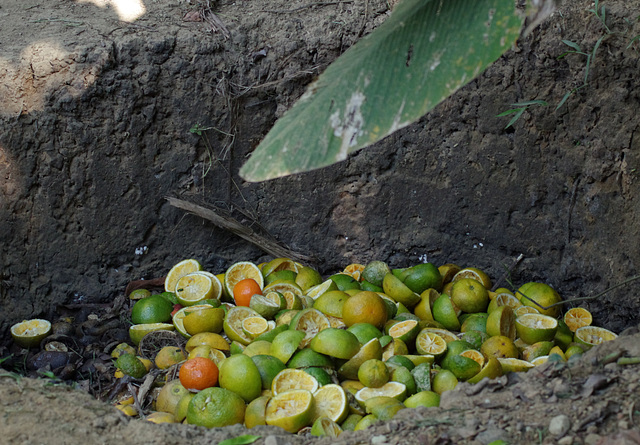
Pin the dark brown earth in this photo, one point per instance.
(95, 114)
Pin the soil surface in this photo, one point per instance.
(95, 119)
(593, 400)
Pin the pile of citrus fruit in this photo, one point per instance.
(276, 344)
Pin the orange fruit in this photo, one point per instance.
(365, 307)
(244, 290)
(198, 373)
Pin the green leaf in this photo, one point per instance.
(240, 440)
(425, 51)
(572, 45)
(530, 102)
(515, 118)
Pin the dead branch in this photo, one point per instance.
(220, 219)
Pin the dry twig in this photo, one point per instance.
(227, 222)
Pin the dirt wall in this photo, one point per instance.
(95, 118)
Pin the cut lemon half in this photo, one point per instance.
(525, 310)
(407, 331)
(178, 271)
(291, 378)
(211, 339)
(504, 299)
(233, 323)
(399, 292)
(491, 370)
(291, 410)
(474, 355)
(533, 328)
(321, 288)
(30, 333)
(370, 350)
(502, 322)
(331, 401)
(476, 274)
(268, 305)
(325, 427)
(592, 335)
(428, 342)
(283, 286)
(448, 336)
(577, 317)
(311, 322)
(514, 365)
(138, 331)
(396, 390)
(355, 270)
(192, 288)
(241, 271)
(216, 283)
(178, 317)
(278, 264)
(254, 326)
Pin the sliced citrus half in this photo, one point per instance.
(178, 271)
(577, 317)
(233, 323)
(396, 390)
(331, 401)
(428, 342)
(592, 335)
(291, 378)
(30, 333)
(137, 331)
(514, 365)
(491, 369)
(291, 410)
(325, 286)
(192, 288)
(533, 328)
(370, 350)
(254, 326)
(178, 317)
(476, 274)
(311, 322)
(241, 271)
(279, 264)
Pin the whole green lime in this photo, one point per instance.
(268, 367)
(216, 407)
(345, 282)
(422, 277)
(131, 365)
(153, 309)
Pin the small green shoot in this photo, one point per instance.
(602, 15)
(590, 58)
(14, 375)
(634, 40)
(521, 107)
